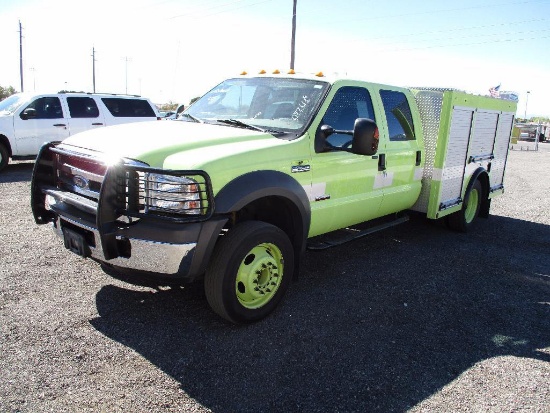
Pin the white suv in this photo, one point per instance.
(28, 121)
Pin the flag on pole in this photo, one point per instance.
(494, 91)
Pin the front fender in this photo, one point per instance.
(257, 185)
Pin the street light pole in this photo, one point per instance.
(93, 68)
(526, 102)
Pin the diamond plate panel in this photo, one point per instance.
(429, 104)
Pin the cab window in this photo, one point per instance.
(398, 115)
(348, 104)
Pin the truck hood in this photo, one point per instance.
(153, 142)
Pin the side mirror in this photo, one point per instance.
(29, 113)
(365, 137)
(321, 138)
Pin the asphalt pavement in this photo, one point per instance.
(416, 318)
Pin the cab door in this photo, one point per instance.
(343, 189)
(399, 154)
(43, 120)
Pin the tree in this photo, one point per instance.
(6, 92)
(169, 106)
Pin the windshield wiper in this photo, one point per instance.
(194, 119)
(236, 122)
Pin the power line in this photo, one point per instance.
(485, 35)
(461, 44)
(223, 11)
(457, 29)
(408, 15)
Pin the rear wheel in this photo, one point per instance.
(4, 157)
(249, 272)
(462, 220)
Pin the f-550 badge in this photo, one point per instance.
(300, 168)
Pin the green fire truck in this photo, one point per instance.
(263, 167)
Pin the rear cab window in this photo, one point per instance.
(398, 115)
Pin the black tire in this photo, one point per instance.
(249, 272)
(4, 157)
(463, 220)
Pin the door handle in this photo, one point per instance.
(382, 162)
(418, 158)
(97, 124)
(60, 124)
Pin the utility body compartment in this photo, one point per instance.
(462, 133)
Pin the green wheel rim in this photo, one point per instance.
(259, 276)
(471, 207)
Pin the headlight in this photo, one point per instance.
(172, 194)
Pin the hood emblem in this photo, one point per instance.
(81, 182)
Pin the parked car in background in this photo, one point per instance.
(167, 114)
(27, 121)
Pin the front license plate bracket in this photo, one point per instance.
(76, 243)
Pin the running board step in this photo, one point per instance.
(341, 236)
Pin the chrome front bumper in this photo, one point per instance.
(151, 256)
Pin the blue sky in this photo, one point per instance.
(173, 50)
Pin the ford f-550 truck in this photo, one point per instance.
(262, 167)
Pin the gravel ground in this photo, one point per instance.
(415, 318)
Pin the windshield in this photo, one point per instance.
(276, 105)
(10, 104)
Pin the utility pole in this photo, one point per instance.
(293, 41)
(21, 54)
(93, 67)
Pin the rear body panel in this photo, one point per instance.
(463, 133)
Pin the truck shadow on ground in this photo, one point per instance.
(379, 324)
(17, 172)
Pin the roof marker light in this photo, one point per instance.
(319, 74)
(262, 72)
(291, 72)
(243, 73)
(276, 72)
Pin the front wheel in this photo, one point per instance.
(462, 220)
(250, 271)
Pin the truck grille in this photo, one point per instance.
(132, 189)
(80, 175)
